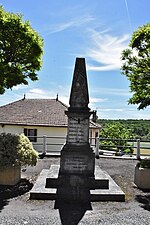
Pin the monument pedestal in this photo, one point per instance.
(79, 160)
(76, 175)
(104, 188)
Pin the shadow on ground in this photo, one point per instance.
(145, 200)
(7, 192)
(72, 203)
(3, 203)
(71, 214)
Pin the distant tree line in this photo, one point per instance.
(139, 128)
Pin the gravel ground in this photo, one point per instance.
(17, 209)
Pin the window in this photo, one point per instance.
(31, 134)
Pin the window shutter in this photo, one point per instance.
(35, 134)
(25, 132)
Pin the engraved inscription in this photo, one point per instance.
(77, 132)
(76, 164)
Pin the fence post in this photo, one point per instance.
(97, 148)
(138, 149)
(44, 144)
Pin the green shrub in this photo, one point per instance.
(145, 163)
(128, 151)
(106, 144)
(16, 150)
(116, 136)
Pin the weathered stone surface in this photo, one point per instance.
(142, 177)
(77, 128)
(77, 177)
(101, 193)
(77, 160)
(52, 177)
(10, 175)
(79, 96)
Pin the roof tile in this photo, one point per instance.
(39, 112)
(44, 112)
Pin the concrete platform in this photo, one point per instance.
(114, 193)
(100, 182)
(111, 193)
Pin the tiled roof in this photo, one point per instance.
(42, 112)
(38, 112)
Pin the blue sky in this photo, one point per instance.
(97, 30)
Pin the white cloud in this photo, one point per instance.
(37, 91)
(110, 110)
(105, 50)
(111, 91)
(129, 112)
(96, 100)
(46, 94)
(74, 22)
(19, 87)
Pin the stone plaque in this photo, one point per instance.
(77, 132)
(77, 164)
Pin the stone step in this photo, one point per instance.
(101, 181)
(114, 193)
(52, 177)
(40, 192)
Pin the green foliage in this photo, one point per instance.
(128, 151)
(145, 163)
(8, 150)
(136, 66)
(16, 150)
(21, 49)
(115, 131)
(26, 154)
(139, 128)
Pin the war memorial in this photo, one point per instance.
(77, 180)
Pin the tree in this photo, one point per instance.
(139, 128)
(21, 50)
(118, 134)
(136, 66)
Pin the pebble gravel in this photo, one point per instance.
(20, 210)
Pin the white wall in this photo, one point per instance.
(52, 144)
(11, 129)
(41, 131)
(53, 135)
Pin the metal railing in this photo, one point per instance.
(53, 144)
(137, 144)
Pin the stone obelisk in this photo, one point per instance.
(77, 160)
(77, 176)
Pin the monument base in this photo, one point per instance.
(105, 189)
(79, 160)
(76, 175)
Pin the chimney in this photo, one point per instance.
(94, 116)
(57, 97)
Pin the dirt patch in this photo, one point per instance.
(7, 192)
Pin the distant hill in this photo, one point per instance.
(140, 128)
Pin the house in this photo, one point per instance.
(43, 120)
